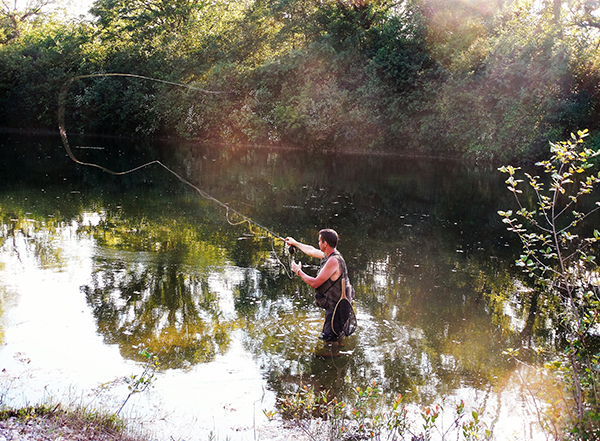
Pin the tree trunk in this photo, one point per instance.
(556, 11)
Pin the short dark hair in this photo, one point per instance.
(330, 236)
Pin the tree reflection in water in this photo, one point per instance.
(155, 304)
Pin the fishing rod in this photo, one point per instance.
(65, 141)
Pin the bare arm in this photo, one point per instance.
(331, 267)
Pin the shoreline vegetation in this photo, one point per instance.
(489, 82)
(272, 146)
(55, 422)
(303, 415)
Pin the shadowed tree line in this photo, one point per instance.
(469, 78)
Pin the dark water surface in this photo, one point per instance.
(95, 267)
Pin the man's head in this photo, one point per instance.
(329, 236)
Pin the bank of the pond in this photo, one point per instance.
(50, 423)
(278, 146)
(59, 423)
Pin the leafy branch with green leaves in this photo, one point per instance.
(367, 415)
(554, 242)
(139, 383)
(559, 254)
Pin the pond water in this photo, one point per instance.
(95, 267)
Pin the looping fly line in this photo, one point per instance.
(65, 140)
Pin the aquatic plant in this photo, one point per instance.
(139, 383)
(368, 416)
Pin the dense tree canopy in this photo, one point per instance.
(485, 79)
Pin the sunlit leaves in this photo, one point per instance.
(565, 264)
(13, 19)
(511, 181)
(568, 159)
(419, 75)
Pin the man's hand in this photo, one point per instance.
(291, 241)
(309, 250)
(296, 267)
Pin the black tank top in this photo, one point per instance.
(329, 292)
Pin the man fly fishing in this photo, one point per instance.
(330, 282)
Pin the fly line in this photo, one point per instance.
(62, 98)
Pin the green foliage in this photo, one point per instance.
(316, 413)
(32, 70)
(485, 80)
(161, 25)
(58, 421)
(559, 254)
(139, 383)
(369, 416)
(556, 215)
(15, 21)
